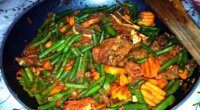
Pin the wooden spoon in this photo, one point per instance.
(172, 13)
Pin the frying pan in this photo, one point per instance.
(22, 32)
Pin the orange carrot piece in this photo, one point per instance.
(147, 18)
(153, 81)
(95, 75)
(57, 89)
(62, 29)
(162, 83)
(127, 17)
(48, 44)
(183, 75)
(47, 65)
(71, 21)
(90, 22)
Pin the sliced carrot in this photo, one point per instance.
(147, 18)
(183, 75)
(127, 17)
(62, 29)
(152, 92)
(149, 102)
(153, 81)
(71, 21)
(47, 65)
(162, 83)
(95, 75)
(48, 44)
(155, 88)
(90, 22)
(57, 89)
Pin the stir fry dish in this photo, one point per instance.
(103, 58)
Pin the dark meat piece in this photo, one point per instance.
(83, 104)
(82, 30)
(159, 42)
(133, 69)
(164, 58)
(138, 53)
(112, 51)
(170, 73)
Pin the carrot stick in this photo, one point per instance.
(183, 75)
(56, 89)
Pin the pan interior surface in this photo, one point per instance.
(23, 32)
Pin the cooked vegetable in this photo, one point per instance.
(103, 58)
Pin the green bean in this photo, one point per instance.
(96, 66)
(100, 80)
(62, 46)
(83, 65)
(135, 107)
(54, 46)
(35, 84)
(110, 31)
(165, 103)
(134, 89)
(29, 73)
(169, 84)
(60, 94)
(41, 47)
(72, 85)
(168, 63)
(47, 105)
(61, 101)
(171, 42)
(62, 66)
(174, 87)
(46, 73)
(86, 48)
(63, 75)
(55, 60)
(74, 68)
(48, 89)
(52, 56)
(110, 78)
(74, 38)
(94, 39)
(39, 98)
(43, 40)
(107, 24)
(102, 37)
(41, 85)
(102, 70)
(26, 80)
(28, 91)
(93, 90)
(184, 59)
(75, 51)
(165, 50)
(141, 60)
(136, 20)
(152, 31)
(190, 73)
(149, 51)
(61, 35)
